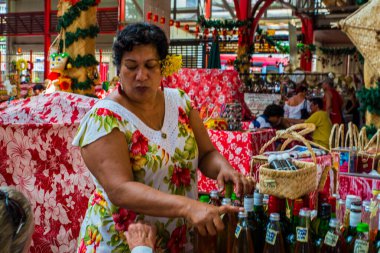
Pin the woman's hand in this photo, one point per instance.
(140, 234)
(243, 184)
(206, 218)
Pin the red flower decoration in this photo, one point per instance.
(106, 112)
(139, 144)
(182, 117)
(123, 219)
(97, 199)
(180, 176)
(82, 247)
(177, 240)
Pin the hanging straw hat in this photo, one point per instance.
(363, 28)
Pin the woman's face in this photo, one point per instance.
(140, 73)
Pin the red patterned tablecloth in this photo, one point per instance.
(357, 185)
(36, 156)
(238, 148)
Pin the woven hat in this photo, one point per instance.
(363, 28)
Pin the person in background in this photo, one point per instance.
(143, 145)
(271, 118)
(352, 107)
(141, 238)
(297, 107)
(320, 119)
(16, 221)
(332, 101)
(38, 89)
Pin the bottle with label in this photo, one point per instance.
(274, 242)
(340, 211)
(291, 238)
(334, 241)
(349, 200)
(252, 223)
(355, 218)
(324, 217)
(225, 237)
(362, 239)
(366, 214)
(304, 243)
(261, 220)
(205, 243)
(214, 198)
(277, 205)
(374, 216)
(243, 239)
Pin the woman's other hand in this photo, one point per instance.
(207, 219)
(243, 184)
(140, 234)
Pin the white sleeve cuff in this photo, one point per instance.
(142, 249)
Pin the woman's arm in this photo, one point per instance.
(108, 160)
(212, 163)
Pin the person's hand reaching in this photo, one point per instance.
(140, 234)
(243, 184)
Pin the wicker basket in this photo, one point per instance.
(289, 184)
(363, 29)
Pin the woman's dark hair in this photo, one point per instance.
(273, 110)
(301, 88)
(139, 34)
(317, 101)
(38, 87)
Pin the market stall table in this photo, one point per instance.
(37, 158)
(357, 184)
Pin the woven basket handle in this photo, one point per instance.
(351, 136)
(333, 136)
(294, 136)
(362, 139)
(306, 128)
(324, 175)
(375, 137)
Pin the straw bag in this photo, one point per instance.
(369, 156)
(289, 184)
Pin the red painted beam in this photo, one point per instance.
(237, 9)
(121, 14)
(47, 38)
(257, 18)
(308, 38)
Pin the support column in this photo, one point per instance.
(308, 38)
(208, 7)
(47, 38)
(121, 14)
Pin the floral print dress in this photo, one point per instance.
(165, 160)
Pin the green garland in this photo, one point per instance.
(83, 61)
(91, 32)
(370, 130)
(75, 85)
(338, 51)
(222, 24)
(74, 12)
(369, 99)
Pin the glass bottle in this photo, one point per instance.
(291, 238)
(304, 243)
(277, 205)
(274, 242)
(334, 241)
(252, 222)
(341, 209)
(374, 217)
(205, 243)
(261, 220)
(376, 241)
(214, 198)
(243, 239)
(323, 224)
(355, 218)
(265, 204)
(366, 214)
(333, 202)
(225, 237)
(349, 200)
(362, 239)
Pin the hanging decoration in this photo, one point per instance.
(222, 24)
(369, 99)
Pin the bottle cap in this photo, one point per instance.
(375, 192)
(334, 223)
(325, 210)
(378, 196)
(214, 194)
(305, 212)
(233, 196)
(204, 198)
(258, 198)
(226, 201)
(285, 156)
(274, 217)
(366, 203)
(242, 215)
(350, 199)
(342, 202)
(356, 206)
(336, 196)
(362, 227)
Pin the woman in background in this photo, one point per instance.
(297, 107)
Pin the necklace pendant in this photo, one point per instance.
(163, 135)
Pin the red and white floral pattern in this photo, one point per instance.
(360, 186)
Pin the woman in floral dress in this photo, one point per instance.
(143, 145)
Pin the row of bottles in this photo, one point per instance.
(334, 227)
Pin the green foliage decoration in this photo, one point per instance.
(369, 99)
(74, 12)
(81, 85)
(83, 61)
(91, 32)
